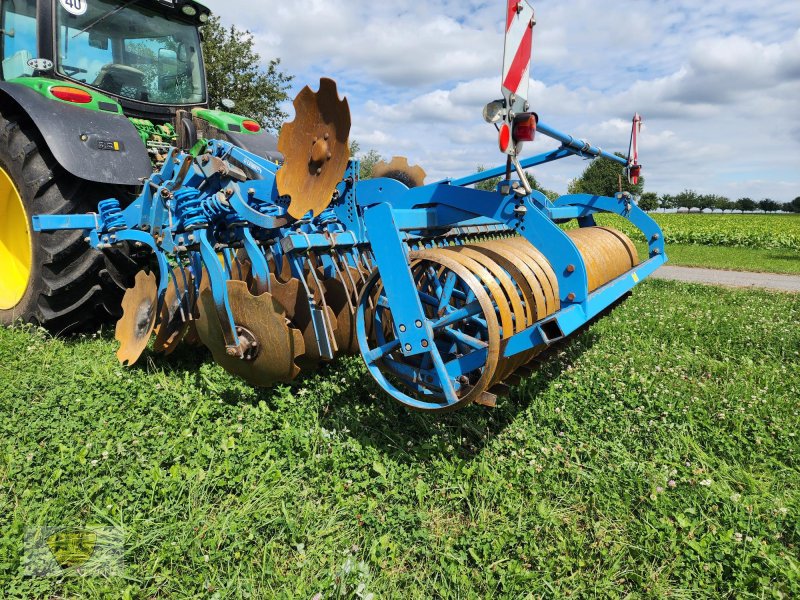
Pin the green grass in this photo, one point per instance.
(656, 456)
(732, 259)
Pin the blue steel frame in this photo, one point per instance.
(200, 206)
(390, 209)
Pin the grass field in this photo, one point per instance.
(656, 456)
(730, 258)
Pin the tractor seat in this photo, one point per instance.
(122, 80)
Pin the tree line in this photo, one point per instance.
(692, 200)
(606, 178)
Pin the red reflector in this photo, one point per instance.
(634, 172)
(505, 137)
(524, 127)
(252, 126)
(70, 94)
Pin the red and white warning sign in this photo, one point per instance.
(519, 45)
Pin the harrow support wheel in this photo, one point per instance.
(463, 358)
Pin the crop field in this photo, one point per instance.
(731, 230)
(655, 455)
(765, 243)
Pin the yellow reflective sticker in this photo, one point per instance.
(636, 277)
(116, 146)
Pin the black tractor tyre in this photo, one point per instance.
(72, 288)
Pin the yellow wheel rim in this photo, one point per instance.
(15, 244)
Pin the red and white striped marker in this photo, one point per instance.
(519, 46)
(634, 168)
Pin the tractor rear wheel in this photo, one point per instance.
(53, 279)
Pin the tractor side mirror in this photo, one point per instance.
(167, 69)
(228, 103)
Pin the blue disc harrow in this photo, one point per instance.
(445, 290)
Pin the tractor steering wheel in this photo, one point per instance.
(71, 71)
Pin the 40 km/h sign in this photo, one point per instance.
(75, 7)
(519, 44)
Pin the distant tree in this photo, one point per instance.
(687, 199)
(535, 185)
(745, 205)
(602, 178)
(714, 202)
(794, 205)
(234, 71)
(723, 203)
(490, 185)
(648, 201)
(668, 201)
(768, 205)
(706, 202)
(367, 160)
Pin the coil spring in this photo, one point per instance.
(111, 214)
(327, 217)
(267, 208)
(189, 208)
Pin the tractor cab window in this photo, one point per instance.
(131, 52)
(17, 37)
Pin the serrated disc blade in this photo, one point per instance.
(400, 170)
(316, 149)
(263, 317)
(138, 318)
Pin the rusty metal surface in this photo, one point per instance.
(316, 149)
(139, 306)
(511, 294)
(292, 296)
(399, 169)
(262, 317)
(175, 313)
(607, 253)
(478, 387)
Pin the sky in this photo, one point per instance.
(717, 82)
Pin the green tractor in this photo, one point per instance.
(93, 93)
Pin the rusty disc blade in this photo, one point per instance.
(175, 313)
(316, 149)
(399, 169)
(138, 319)
(262, 321)
(291, 295)
(339, 301)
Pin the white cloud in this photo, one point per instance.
(718, 82)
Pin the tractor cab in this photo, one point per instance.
(145, 54)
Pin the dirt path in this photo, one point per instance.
(769, 281)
